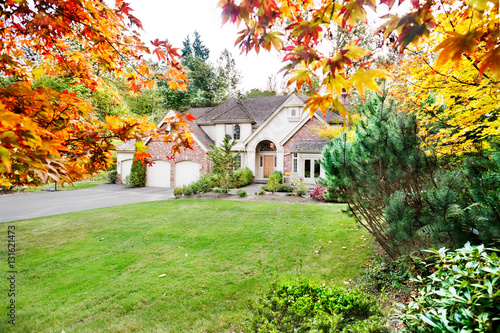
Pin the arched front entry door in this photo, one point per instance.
(266, 159)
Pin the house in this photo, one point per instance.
(272, 133)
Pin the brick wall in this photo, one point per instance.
(304, 133)
(159, 150)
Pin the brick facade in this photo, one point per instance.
(159, 150)
(304, 133)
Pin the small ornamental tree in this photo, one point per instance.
(223, 159)
(137, 176)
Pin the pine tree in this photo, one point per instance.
(223, 159)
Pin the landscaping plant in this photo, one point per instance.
(223, 159)
(461, 295)
(303, 306)
(243, 177)
(137, 176)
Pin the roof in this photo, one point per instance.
(127, 146)
(260, 108)
(231, 110)
(198, 132)
(309, 146)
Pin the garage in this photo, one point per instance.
(158, 174)
(186, 172)
(126, 166)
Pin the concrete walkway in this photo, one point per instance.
(20, 206)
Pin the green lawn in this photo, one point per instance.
(99, 270)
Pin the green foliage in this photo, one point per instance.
(188, 190)
(223, 159)
(112, 174)
(406, 197)
(259, 93)
(285, 188)
(207, 182)
(137, 176)
(461, 295)
(302, 306)
(242, 193)
(243, 177)
(384, 274)
(178, 191)
(220, 190)
(300, 187)
(275, 180)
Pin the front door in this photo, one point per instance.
(312, 169)
(268, 165)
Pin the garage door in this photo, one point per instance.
(158, 174)
(125, 171)
(186, 172)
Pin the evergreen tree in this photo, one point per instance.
(137, 176)
(407, 198)
(200, 51)
(223, 159)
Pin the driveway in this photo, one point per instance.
(20, 206)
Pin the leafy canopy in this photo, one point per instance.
(47, 133)
(297, 28)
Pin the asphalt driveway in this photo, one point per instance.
(20, 206)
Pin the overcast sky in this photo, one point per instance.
(175, 19)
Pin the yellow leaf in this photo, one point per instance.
(363, 79)
(37, 72)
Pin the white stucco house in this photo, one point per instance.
(272, 133)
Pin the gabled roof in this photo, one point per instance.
(309, 146)
(232, 110)
(260, 108)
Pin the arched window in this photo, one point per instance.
(267, 146)
(293, 113)
(236, 132)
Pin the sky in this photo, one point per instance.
(175, 19)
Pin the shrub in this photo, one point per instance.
(319, 193)
(301, 306)
(137, 176)
(112, 174)
(300, 187)
(188, 190)
(242, 193)
(195, 186)
(178, 191)
(208, 181)
(461, 295)
(220, 190)
(276, 176)
(271, 186)
(384, 274)
(262, 192)
(243, 177)
(285, 188)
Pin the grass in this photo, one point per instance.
(98, 271)
(76, 186)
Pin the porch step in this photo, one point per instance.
(261, 180)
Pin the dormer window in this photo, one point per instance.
(236, 132)
(293, 113)
(233, 131)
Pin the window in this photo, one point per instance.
(268, 146)
(261, 161)
(237, 163)
(275, 161)
(236, 132)
(295, 162)
(293, 113)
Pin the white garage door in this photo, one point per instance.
(158, 175)
(186, 172)
(125, 171)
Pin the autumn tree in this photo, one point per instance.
(46, 133)
(307, 22)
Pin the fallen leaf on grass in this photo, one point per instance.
(162, 275)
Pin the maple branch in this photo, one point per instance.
(452, 76)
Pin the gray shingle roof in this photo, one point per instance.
(260, 108)
(232, 110)
(127, 146)
(309, 146)
(199, 133)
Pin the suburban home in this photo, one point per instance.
(272, 133)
